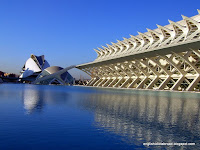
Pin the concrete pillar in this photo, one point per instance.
(92, 83)
(133, 82)
(178, 83)
(113, 82)
(151, 84)
(91, 80)
(125, 83)
(102, 82)
(120, 80)
(140, 85)
(106, 83)
(97, 82)
(193, 83)
(164, 83)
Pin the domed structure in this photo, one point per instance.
(55, 75)
(33, 66)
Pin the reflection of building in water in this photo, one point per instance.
(148, 116)
(32, 99)
(36, 97)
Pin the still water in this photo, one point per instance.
(65, 117)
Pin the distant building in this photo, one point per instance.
(37, 70)
(1, 74)
(33, 67)
(1, 81)
(10, 75)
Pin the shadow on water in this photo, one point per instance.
(147, 116)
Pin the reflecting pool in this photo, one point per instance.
(69, 117)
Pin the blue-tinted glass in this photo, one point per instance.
(40, 60)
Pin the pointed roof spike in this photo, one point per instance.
(175, 23)
(192, 20)
(163, 27)
(155, 32)
(96, 49)
(100, 49)
(184, 17)
(131, 35)
(143, 34)
(112, 43)
(171, 22)
(135, 37)
(108, 45)
(126, 40)
(159, 26)
(104, 47)
(98, 52)
(198, 11)
(148, 29)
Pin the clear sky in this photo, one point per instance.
(67, 31)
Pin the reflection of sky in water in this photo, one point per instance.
(95, 118)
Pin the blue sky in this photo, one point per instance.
(66, 31)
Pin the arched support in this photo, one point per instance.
(167, 58)
(193, 84)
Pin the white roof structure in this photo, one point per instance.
(35, 64)
(55, 75)
(166, 58)
(176, 32)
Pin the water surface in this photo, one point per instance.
(65, 117)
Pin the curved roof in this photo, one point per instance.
(31, 65)
(34, 64)
(39, 60)
(53, 69)
(55, 74)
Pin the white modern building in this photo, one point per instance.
(166, 58)
(34, 66)
(37, 70)
(55, 75)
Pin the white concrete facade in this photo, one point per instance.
(34, 65)
(55, 73)
(167, 58)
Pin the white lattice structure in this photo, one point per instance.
(165, 58)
